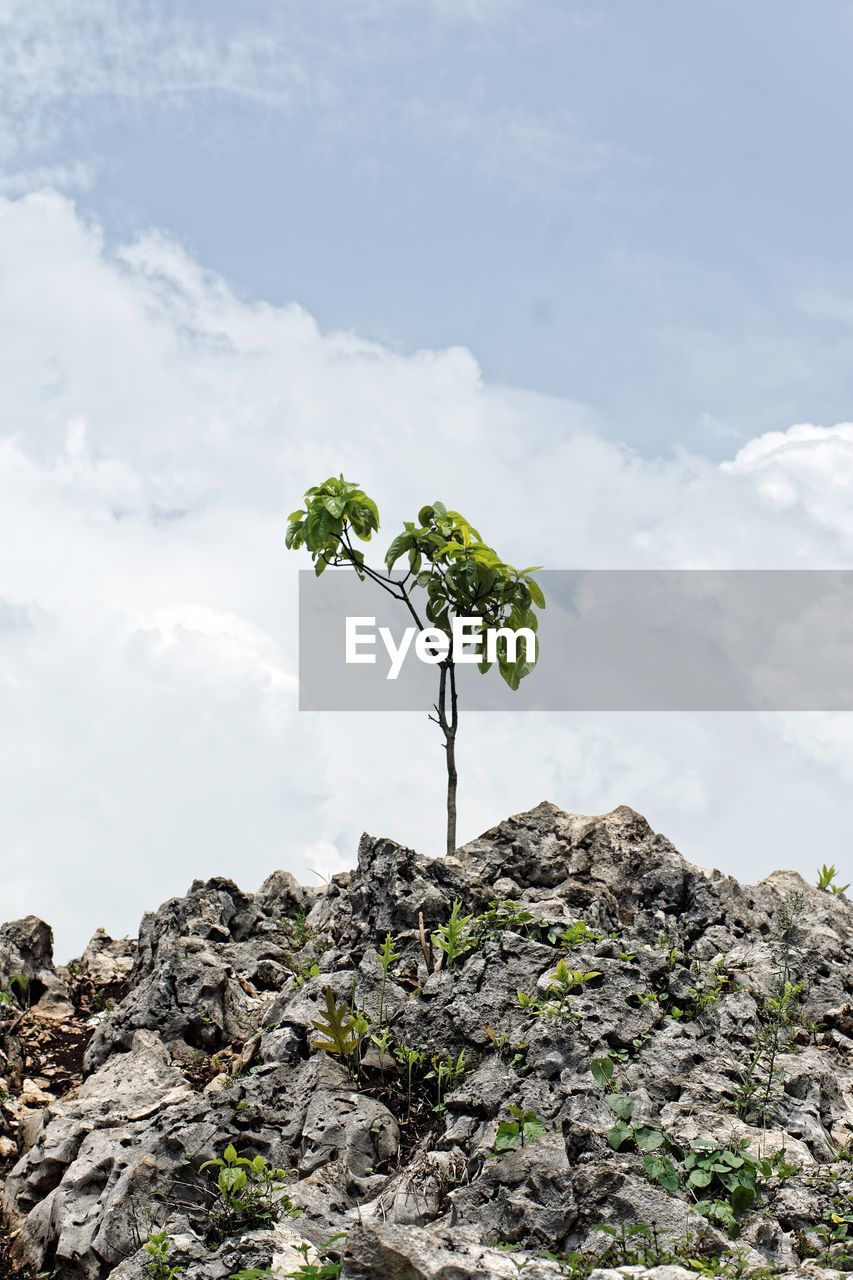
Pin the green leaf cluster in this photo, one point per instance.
(342, 1030)
(456, 937)
(333, 509)
(826, 881)
(246, 1193)
(158, 1266)
(444, 556)
(525, 1126)
(446, 1071)
(464, 577)
(558, 994)
(502, 914)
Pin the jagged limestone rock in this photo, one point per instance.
(215, 1042)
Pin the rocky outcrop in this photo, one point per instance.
(674, 1049)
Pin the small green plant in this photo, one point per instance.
(382, 1040)
(733, 1173)
(638, 1244)
(300, 930)
(306, 971)
(158, 1264)
(835, 1235)
(754, 1095)
(445, 1072)
(703, 996)
(409, 1059)
(342, 1029)
(525, 1126)
(503, 914)
(515, 1055)
(456, 937)
(826, 881)
(246, 1192)
(579, 934)
(558, 993)
(386, 955)
(652, 1143)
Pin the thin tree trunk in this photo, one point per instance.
(448, 728)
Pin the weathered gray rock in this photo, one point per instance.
(27, 969)
(670, 978)
(409, 1253)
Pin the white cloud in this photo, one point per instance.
(156, 431)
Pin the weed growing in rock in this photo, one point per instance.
(826, 881)
(306, 971)
(638, 1244)
(158, 1266)
(525, 1126)
(16, 992)
(757, 1081)
(558, 994)
(514, 1055)
(246, 1192)
(703, 996)
(729, 1175)
(300, 930)
(343, 1029)
(732, 1173)
(835, 1236)
(409, 1059)
(382, 1040)
(386, 955)
(456, 937)
(504, 914)
(307, 1270)
(578, 934)
(446, 1072)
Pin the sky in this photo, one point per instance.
(580, 269)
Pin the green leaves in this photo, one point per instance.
(621, 1105)
(603, 1070)
(456, 937)
(334, 511)
(158, 1265)
(660, 1169)
(465, 577)
(247, 1193)
(342, 1031)
(826, 881)
(525, 1126)
(619, 1134)
(386, 955)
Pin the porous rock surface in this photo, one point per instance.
(211, 1043)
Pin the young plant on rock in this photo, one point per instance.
(733, 1173)
(343, 1030)
(502, 915)
(456, 937)
(757, 1083)
(525, 1126)
(462, 578)
(445, 1072)
(386, 955)
(826, 881)
(562, 983)
(158, 1264)
(409, 1059)
(578, 934)
(246, 1192)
